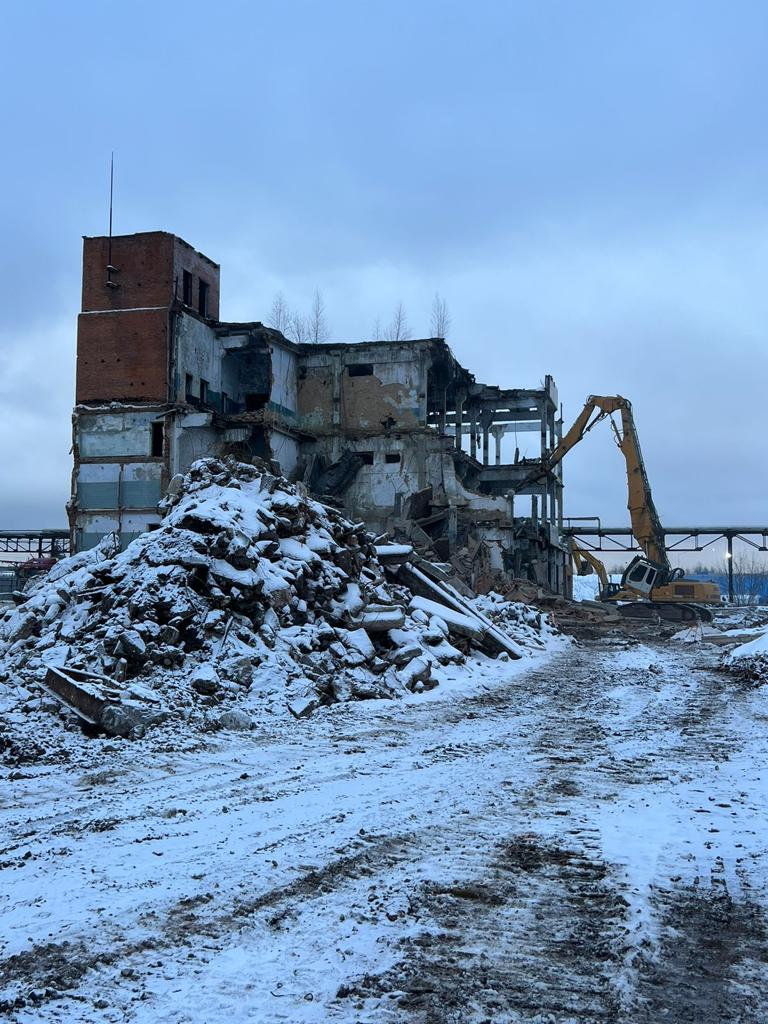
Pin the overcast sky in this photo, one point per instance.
(585, 183)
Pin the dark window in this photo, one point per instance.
(637, 574)
(202, 298)
(204, 385)
(253, 402)
(189, 383)
(186, 287)
(367, 457)
(393, 458)
(224, 401)
(157, 440)
(360, 369)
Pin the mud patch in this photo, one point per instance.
(711, 965)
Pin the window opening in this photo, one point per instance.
(367, 457)
(186, 287)
(393, 458)
(360, 370)
(189, 383)
(204, 386)
(157, 440)
(202, 297)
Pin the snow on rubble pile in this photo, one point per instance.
(248, 597)
(751, 659)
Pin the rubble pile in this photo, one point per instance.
(248, 597)
(750, 659)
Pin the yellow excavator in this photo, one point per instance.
(649, 583)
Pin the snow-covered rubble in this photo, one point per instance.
(751, 659)
(248, 600)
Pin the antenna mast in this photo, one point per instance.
(110, 269)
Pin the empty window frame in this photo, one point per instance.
(224, 402)
(202, 297)
(189, 384)
(186, 288)
(360, 370)
(157, 439)
(367, 457)
(392, 458)
(204, 389)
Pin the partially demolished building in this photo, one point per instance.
(398, 433)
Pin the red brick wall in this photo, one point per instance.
(186, 258)
(145, 267)
(122, 357)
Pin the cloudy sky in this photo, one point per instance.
(585, 183)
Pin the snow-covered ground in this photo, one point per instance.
(575, 838)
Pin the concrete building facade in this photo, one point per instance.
(397, 433)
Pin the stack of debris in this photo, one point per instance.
(249, 596)
(750, 659)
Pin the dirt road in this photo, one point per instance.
(583, 842)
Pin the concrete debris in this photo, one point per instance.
(94, 700)
(250, 597)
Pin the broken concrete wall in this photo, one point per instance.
(369, 387)
(119, 473)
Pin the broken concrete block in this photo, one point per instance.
(169, 635)
(417, 671)
(376, 619)
(358, 639)
(126, 719)
(131, 645)
(236, 720)
(405, 653)
(28, 625)
(302, 707)
(239, 669)
(205, 680)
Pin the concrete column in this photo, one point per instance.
(473, 434)
(459, 419)
(453, 526)
(441, 416)
(498, 434)
(543, 425)
(485, 446)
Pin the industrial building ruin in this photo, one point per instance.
(397, 433)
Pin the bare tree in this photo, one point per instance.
(317, 325)
(279, 315)
(441, 318)
(377, 329)
(399, 330)
(298, 329)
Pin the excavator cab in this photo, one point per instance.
(642, 575)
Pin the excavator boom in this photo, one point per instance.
(651, 576)
(646, 525)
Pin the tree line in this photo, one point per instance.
(314, 328)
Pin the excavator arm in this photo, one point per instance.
(646, 525)
(586, 563)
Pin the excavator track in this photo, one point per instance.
(666, 611)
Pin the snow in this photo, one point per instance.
(580, 850)
(756, 647)
(587, 588)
